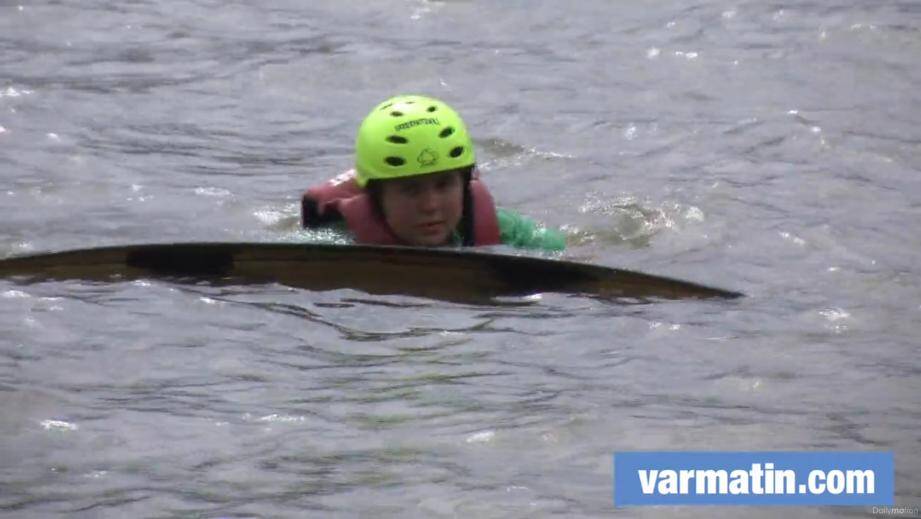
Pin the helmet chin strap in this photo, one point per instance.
(467, 215)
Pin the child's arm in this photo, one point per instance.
(519, 231)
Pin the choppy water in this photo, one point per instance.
(768, 147)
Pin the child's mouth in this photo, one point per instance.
(431, 227)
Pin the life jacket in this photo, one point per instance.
(340, 198)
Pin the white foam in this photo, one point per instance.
(58, 425)
(212, 191)
(481, 437)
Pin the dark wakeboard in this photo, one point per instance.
(448, 274)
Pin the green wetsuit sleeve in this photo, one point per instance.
(519, 231)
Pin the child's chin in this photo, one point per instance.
(431, 240)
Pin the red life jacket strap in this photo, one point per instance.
(319, 204)
(485, 221)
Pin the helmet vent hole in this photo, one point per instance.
(457, 151)
(446, 132)
(395, 161)
(396, 139)
(396, 113)
(432, 108)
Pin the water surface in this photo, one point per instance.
(764, 147)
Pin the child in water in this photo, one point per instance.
(415, 183)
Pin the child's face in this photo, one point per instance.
(423, 210)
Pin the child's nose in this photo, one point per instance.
(428, 199)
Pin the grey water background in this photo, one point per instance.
(767, 147)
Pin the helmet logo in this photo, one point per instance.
(427, 158)
(416, 122)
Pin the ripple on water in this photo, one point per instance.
(725, 142)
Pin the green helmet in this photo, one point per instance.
(411, 135)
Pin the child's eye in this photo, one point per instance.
(444, 183)
(409, 189)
